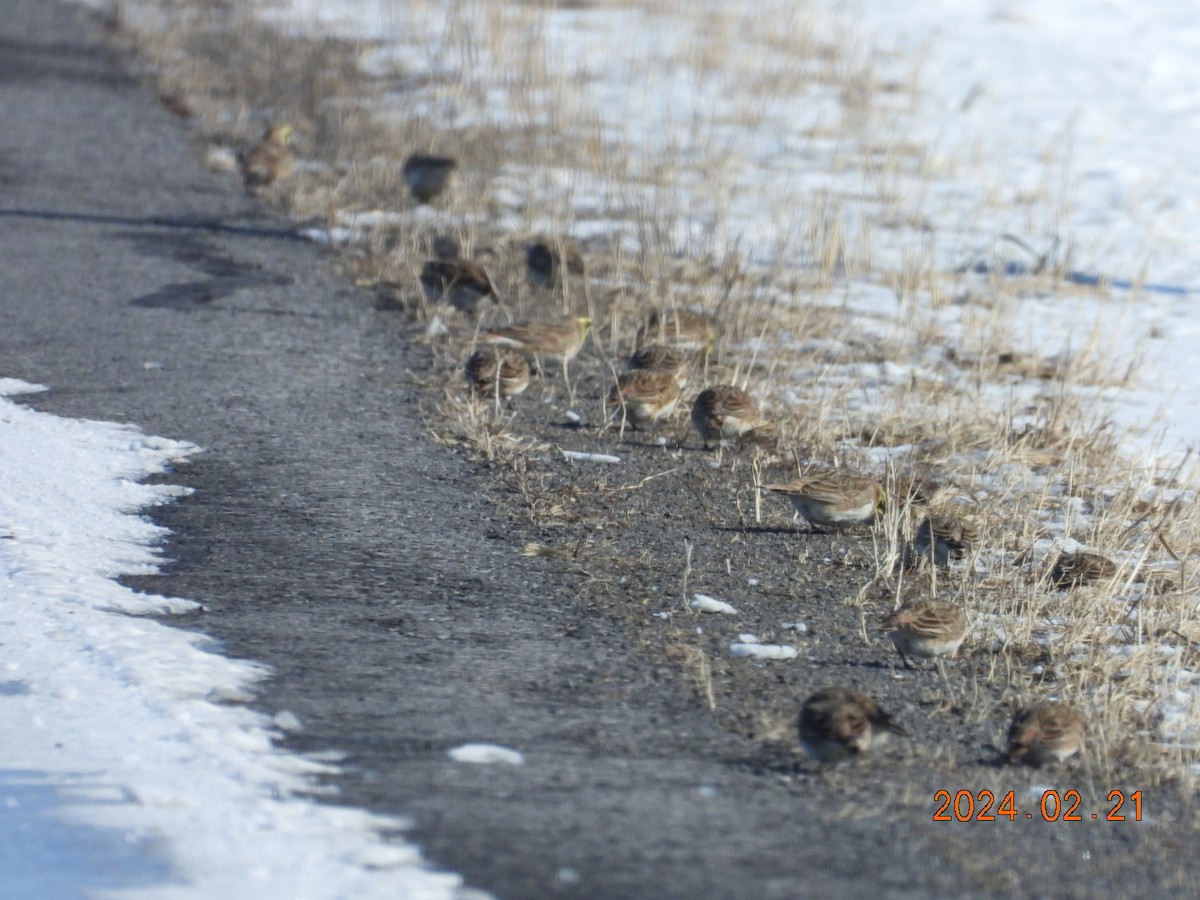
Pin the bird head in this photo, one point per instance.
(584, 324)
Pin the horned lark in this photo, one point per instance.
(556, 338)
(497, 372)
(1073, 569)
(834, 499)
(724, 413)
(1045, 732)
(545, 263)
(679, 328)
(427, 175)
(460, 282)
(645, 395)
(946, 538)
(269, 160)
(657, 358)
(837, 722)
(925, 628)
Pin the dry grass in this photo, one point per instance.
(901, 394)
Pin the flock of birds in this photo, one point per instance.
(834, 723)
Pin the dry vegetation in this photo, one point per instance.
(951, 417)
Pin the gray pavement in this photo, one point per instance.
(370, 568)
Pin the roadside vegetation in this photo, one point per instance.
(861, 349)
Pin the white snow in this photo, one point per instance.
(129, 764)
(705, 603)
(763, 651)
(486, 754)
(1069, 125)
(583, 456)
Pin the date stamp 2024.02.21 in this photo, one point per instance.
(984, 806)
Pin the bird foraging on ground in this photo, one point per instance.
(1074, 569)
(497, 372)
(545, 262)
(836, 723)
(834, 499)
(724, 412)
(461, 283)
(645, 396)
(1044, 733)
(558, 339)
(926, 628)
(427, 174)
(946, 538)
(680, 328)
(657, 358)
(269, 160)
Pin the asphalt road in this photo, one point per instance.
(369, 567)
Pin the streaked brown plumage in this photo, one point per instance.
(657, 358)
(837, 722)
(427, 175)
(836, 498)
(946, 538)
(926, 628)
(1074, 569)
(681, 328)
(724, 412)
(461, 283)
(645, 395)
(545, 261)
(269, 160)
(558, 338)
(497, 372)
(1045, 732)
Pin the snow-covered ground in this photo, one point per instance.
(130, 769)
(1067, 125)
(1095, 101)
(128, 764)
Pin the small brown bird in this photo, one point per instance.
(427, 175)
(269, 160)
(835, 499)
(946, 538)
(680, 328)
(558, 339)
(1074, 569)
(837, 722)
(497, 372)
(724, 412)
(645, 396)
(461, 283)
(657, 358)
(925, 628)
(1045, 732)
(545, 263)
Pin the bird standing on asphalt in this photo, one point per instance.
(1044, 733)
(724, 412)
(558, 339)
(837, 723)
(497, 372)
(644, 396)
(927, 629)
(835, 499)
(269, 160)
